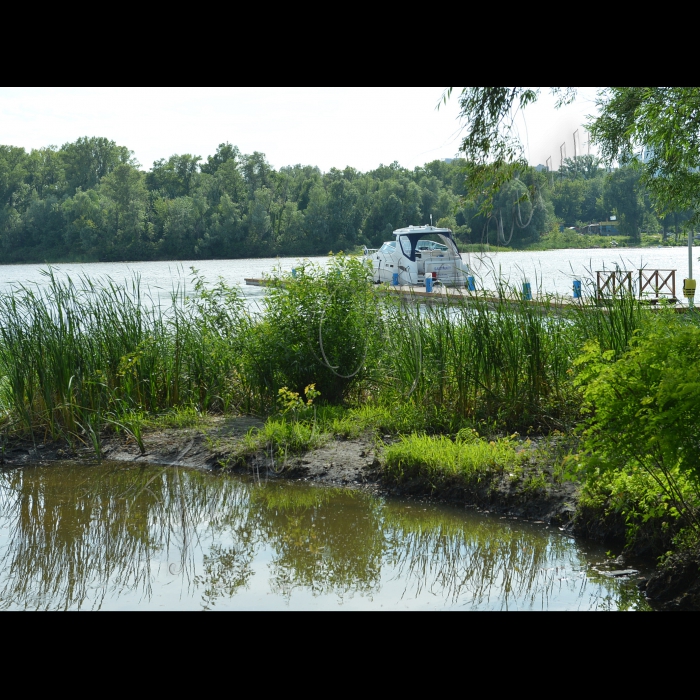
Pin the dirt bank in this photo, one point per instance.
(220, 444)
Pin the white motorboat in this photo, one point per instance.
(413, 257)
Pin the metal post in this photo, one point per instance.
(691, 237)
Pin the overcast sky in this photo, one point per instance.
(325, 126)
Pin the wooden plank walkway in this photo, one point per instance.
(443, 295)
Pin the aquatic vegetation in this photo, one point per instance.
(500, 361)
(80, 357)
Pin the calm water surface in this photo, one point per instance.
(116, 537)
(552, 271)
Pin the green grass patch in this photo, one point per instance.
(285, 437)
(572, 240)
(387, 419)
(469, 458)
(177, 419)
(478, 248)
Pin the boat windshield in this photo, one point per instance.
(430, 245)
(388, 248)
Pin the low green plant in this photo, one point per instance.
(633, 498)
(285, 437)
(177, 418)
(468, 458)
(380, 418)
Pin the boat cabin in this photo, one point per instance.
(413, 256)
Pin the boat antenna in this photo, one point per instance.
(431, 221)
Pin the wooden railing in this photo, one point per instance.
(654, 285)
(657, 283)
(614, 283)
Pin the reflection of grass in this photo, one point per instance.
(469, 459)
(288, 498)
(81, 535)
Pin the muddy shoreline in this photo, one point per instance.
(356, 464)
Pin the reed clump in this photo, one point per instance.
(78, 357)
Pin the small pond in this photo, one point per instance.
(123, 537)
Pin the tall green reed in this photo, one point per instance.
(81, 356)
(77, 356)
(484, 357)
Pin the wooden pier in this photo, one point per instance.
(442, 295)
(446, 295)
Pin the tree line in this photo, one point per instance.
(91, 201)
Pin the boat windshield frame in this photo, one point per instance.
(415, 237)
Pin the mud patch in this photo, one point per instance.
(207, 447)
(343, 463)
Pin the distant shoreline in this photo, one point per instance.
(471, 249)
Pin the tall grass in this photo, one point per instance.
(78, 357)
(612, 323)
(498, 359)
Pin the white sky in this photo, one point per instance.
(325, 126)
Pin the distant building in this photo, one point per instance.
(449, 161)
(605, 228)
(541, 168)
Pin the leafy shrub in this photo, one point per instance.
(320, 328)
(643, 409)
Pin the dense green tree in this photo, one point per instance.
(86, 228)
(126, 192)
(175, 177)
(624, 196)
(88, 160)
(226, 153)
(13, 172)
(235, 206)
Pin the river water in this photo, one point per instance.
(124, 537)
(552, 271)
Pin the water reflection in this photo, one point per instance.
(110, 536)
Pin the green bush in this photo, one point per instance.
(320, 328)
(643, 409)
